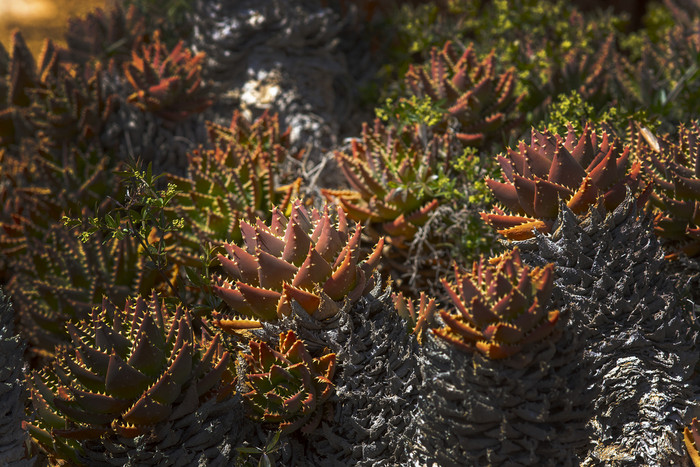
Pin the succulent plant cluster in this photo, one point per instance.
(239, 179)
(390, 174)
(62, 279)
(288, 386)
(166, 83)
(500, 309)
(124, 372)
(674, 168)
(213, 261)
(483, 102)
(306, 258)
(579, 171)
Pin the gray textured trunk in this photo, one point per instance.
(524, 410)
(12, 391)
(641, 346)
(207, 436)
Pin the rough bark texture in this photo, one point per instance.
(12, 390)
(640, 355)
(208, 436)
(523, 410)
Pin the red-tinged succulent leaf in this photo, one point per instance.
(566, 170)
(514, 230)
(458, 300)
(246, 264)
(691, 437)
(309, 301)
(267, 241)
(146, 411)
(274, 271)
(297, 244)
(328, 241)
(496, 351)
(460, 328)
(95, 358)
(88, 379)
(129, 431)
(506, 194)
(499, 220)
(211, 379)
(330, 269)
(99, 403)
(454, 339)
(547, 199)
(587, 195)
(343, 280)
(263, 302)
(181, 366)
(287, 385)
(578, 170)
(420, 317)
(165, 390)
(353, 204)
(74, 412)
(234, 299)
(500, 307)
(232, 325)
(510, 304)
(123, 380)
(372, 261)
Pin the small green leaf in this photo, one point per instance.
(245, 450)
(265, 461)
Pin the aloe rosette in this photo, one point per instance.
(104, 36)
(306, 258)
(126, 372)
(71, 108)
(167, 83)
(288, 387)
(419, 314)
(675, 172)
(580, 171)
(482, 102)
(62, 278)
(500, 309)
(390, 174)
